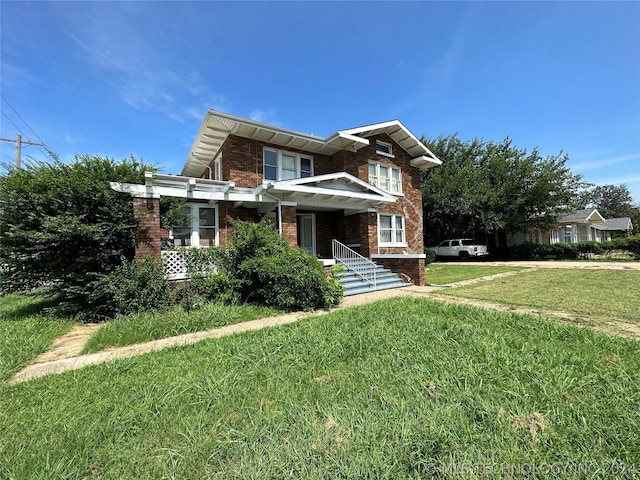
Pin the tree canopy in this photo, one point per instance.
(612, 201)
(488, 189)
(62, 226)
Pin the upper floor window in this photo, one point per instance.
(383, 148)
(280, 165)
(385, 177)
(217, 168)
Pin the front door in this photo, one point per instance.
(307, 232)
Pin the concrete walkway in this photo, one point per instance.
(578, 264)
(64, 354)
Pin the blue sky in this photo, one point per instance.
(135, 78)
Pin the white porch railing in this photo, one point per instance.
(353, 261)
(175, 264)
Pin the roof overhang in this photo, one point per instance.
(217, 126)
(336, 191)
(191, 188)
(423, 158)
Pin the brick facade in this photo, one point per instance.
(148, 234)
(242, 163)
(406, 265)
(290, 224)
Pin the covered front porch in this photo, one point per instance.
(312, 212)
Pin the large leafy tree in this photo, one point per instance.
(62, 226)
(489, 189)
(613, 201)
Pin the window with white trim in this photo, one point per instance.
(391, 232)
(385, 177)
(217, 168)
(200, 228)
(281, 165)
(383, 148)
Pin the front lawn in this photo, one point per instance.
(401, 388)
(602, 293)
(443, 274)
(24, 332)
(151, 326)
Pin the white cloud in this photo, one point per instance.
(264, 116)
(604, 162)
(143, 74)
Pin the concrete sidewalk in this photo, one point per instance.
(64, 354)
(573, 264)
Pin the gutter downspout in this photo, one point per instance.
(279, 210)
(205, 164)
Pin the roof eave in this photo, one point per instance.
(425, 162)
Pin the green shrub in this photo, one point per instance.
(571, 251)
(185, 296)
(629, 244)
(62, 227)
(134, 287)
(261, 268)
(288, 280)
(524, 251)
(430, 256)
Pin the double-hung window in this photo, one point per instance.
(217, 168)
(280, 165)
(391, 232)
(385, 177)
(200, 228)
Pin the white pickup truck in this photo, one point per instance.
(462, 248)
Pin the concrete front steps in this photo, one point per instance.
(354, 284)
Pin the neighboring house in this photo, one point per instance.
(358, 188)
(580, 226)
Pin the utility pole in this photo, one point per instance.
(19, 143)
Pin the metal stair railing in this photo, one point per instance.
(353, 261)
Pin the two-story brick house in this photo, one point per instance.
(359, 187)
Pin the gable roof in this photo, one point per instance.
(622, 223)
(217, 126)
(585, 215)
(339, 184)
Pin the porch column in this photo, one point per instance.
(148, 233)
(289, 224)
(368, 231)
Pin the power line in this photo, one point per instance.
(11, 121)
(19, 143)
(20, 117)
(19, 140)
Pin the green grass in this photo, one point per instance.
(442, 274)
(602, 293)
(150, 326)
(402, 388)
(24, 333)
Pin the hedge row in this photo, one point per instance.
(571, 251)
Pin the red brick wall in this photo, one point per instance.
(242, 162)
(328, 226)
(148, 233)
(368, 233)
(411, 267)
(409, 204)
(289, 224)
